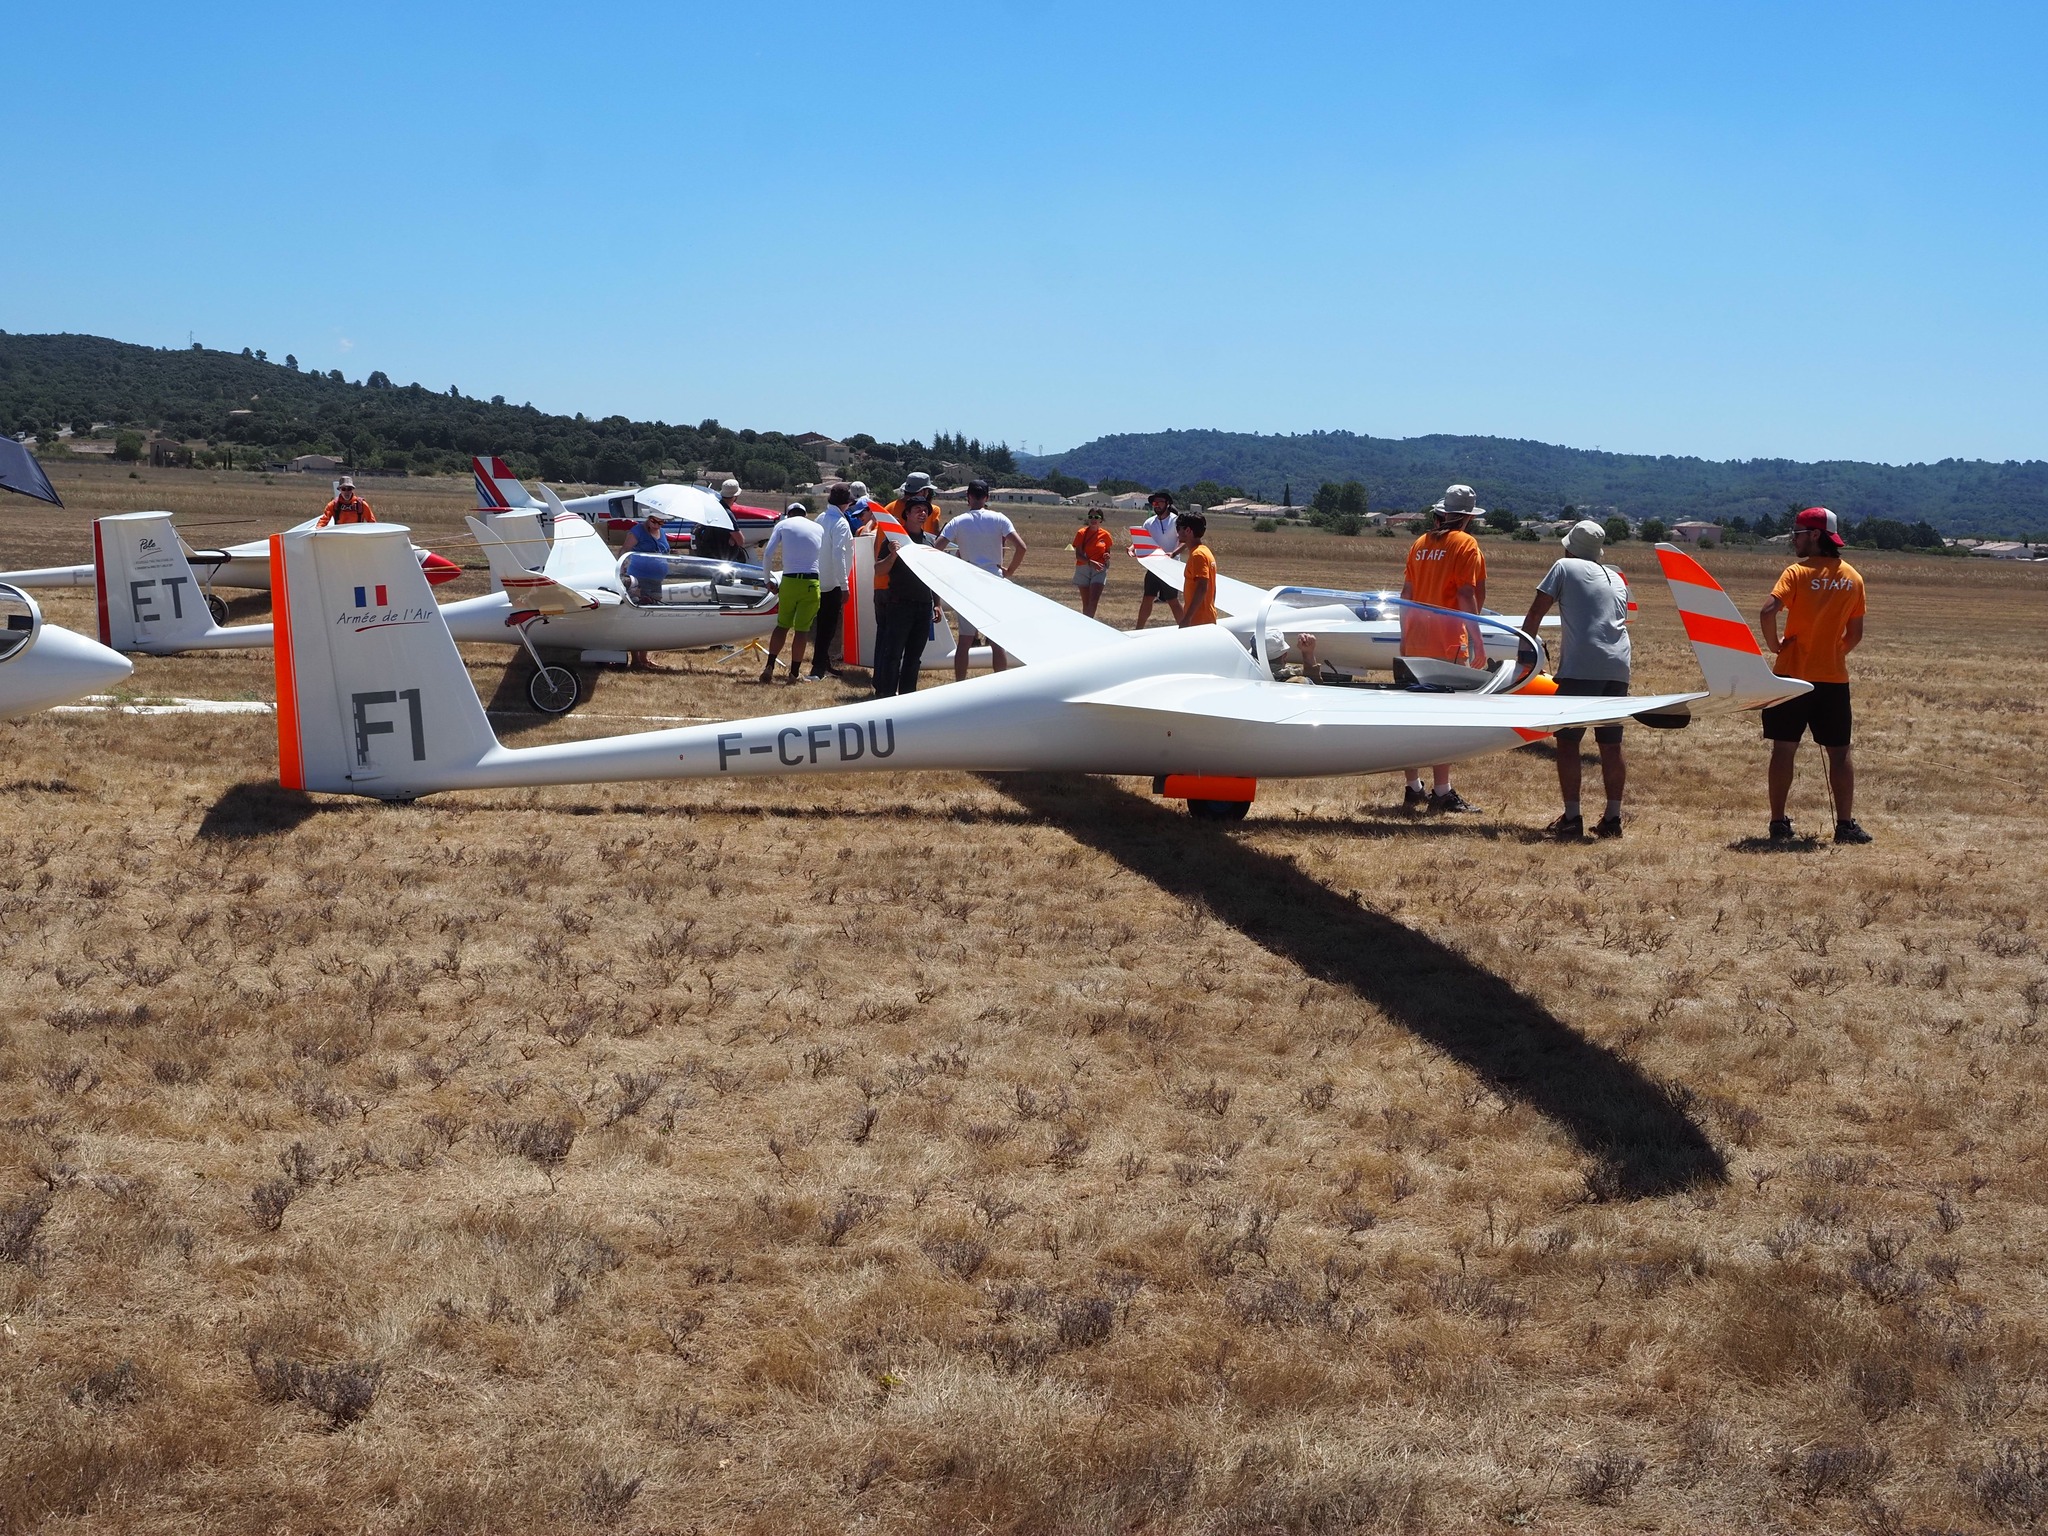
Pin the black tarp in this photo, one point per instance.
(19, 471)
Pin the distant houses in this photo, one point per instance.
(1699, 535)
(315, 464)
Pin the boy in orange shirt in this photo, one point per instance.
(1091, 546)
(1822, 600)
(1446, 569)
(1198, 581)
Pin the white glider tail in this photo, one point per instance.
(150, 599)
(1733, 663)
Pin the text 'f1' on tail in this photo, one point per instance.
(372, 696)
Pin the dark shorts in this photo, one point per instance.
(1825, 711)
(1590, 688)
(1156, 588)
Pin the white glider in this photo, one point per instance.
(44, 665)
(243, 566)
(373, 700)
(683, 507)
(570, 594)
(150, 598)
(1354, 631)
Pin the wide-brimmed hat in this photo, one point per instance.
(914, 482)
(345, 484)
(1460, 501)
(729, 488)
(1585, 539)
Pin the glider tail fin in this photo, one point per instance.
(497, 488)
(150, 599)
(372, 696)
(513, 544)
(1737, 675)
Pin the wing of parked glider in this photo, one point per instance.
(1233, 597)
(1027, 626)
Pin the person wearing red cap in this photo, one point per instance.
(1821, 598)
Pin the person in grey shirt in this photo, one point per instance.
(1592, 608)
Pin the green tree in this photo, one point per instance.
(1502, 520)
(1653, 530)
(1351, 501)
(1065, 485)
(1617, 530)
(128, 447)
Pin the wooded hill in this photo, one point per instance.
(1957, 496)
(248, 411)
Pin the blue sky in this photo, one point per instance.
(1734, 230)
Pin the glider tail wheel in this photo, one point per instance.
(554, 690)
(218, 607)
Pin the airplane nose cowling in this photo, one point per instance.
(439, 568)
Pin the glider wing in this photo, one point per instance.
(1029, 627)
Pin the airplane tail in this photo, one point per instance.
(497, 488)
(1737, 675)
(150, 599)
(372, 696)
(513, 543)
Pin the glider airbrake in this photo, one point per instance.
(374, 700)
(42, 665)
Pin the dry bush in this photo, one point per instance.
(997, 1153)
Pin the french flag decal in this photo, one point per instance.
(362, 597)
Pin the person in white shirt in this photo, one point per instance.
(835, 562)
(991, 541)
(1163, 528)
(796, 609)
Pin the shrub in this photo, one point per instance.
(343, 1392)
(1265, 525)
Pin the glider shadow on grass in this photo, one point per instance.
(255, 809)
(1642, 1141)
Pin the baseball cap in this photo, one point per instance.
(800, 508)
(1819, 520)
(859, 489)
(977, 487)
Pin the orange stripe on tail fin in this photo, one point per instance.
(291, 768)
(1679, 566)
(1730, 634)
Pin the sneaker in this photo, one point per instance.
(1450, 802)
(768, 673)
(1781, 830)
(1414, 798)
(1609, 826)
(1847, 831)
(1565, 826)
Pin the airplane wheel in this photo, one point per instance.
(218, 607)
(1219, 810)
(554, 690)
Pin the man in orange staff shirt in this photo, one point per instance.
(1198, 581)
(1446, 569)
(1822, 600)
(347, 507)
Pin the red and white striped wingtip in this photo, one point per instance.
(1143, 544)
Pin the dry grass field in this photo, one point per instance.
(1015, 1154)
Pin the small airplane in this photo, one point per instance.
(242, 566)
(570, 594)
(684, 508)
(44, 664)
(1353, 631)
(150, 598)
(374, 700)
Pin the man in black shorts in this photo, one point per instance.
(1822, 600)
(1163, 528)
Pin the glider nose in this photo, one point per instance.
(59, 668)
(439, 569)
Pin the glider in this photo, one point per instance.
(150, 598)
(373, 698)
(684, 508)
(1354, 631)
(45, 664)
(570, 594)
(239, 565)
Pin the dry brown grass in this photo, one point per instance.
(1014, 1154)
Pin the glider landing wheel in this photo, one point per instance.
(218, 607)
(1219, 810)
(554, 690)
